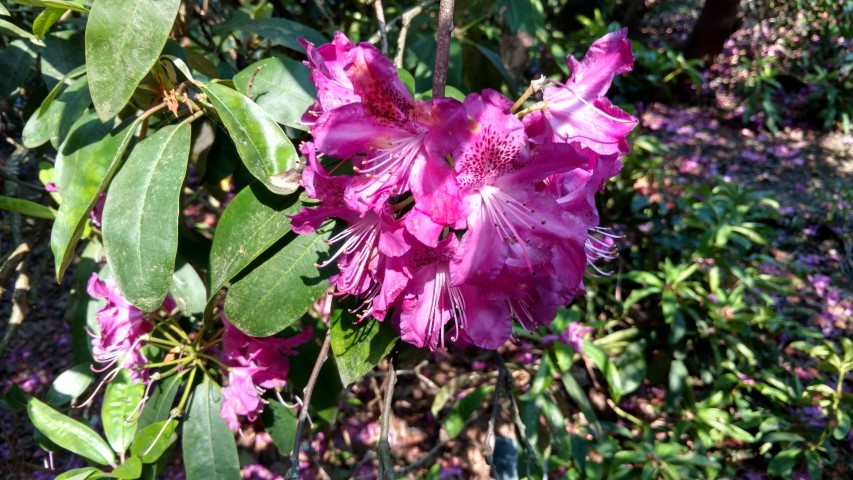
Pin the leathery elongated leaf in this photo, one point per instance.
(140, 220)
(69, 433)
(234, 246)
(359, 347)
(124, 38)
(208, 444)
(85, 186)
(282, 87)
(121, 399)
(262, 145)
(282, 286)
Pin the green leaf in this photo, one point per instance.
(842, 424)
(495, 60)
(130, 469)
(576, 393)
(677, 377)
(359, 347)
(63, 53)
(15, 399)
(188, 289)
(282, 286)
(279, 31)
(282, 87)
(40, 125)
(27, 207)
(124, 39)
(526, 15)
(67, 110)
(632, 367)
(16, 61)
(235, 247)
(9, 28)
(280, 422)
(69, 433)
(75, 5)
(121, 400)
(607, 367)
(141, 216)
(408, 80)
(159, 405)
(462, 410)
(70, 384)
(85, 183)
(78, 474)
(209, 448)
(3, 10)
(783, 463)
(45, 20)
(264, 148)
(153, 440)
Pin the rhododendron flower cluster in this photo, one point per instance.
(254, 365)
(462, 216)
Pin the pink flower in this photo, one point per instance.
(573, 335)
(255, 364)
(122, 330)
(578, 112)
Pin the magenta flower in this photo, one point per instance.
(327, 64)
(578, 112)
(254, 365)
(571, 336)
(122, 331)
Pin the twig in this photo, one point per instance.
(10, 264)
(442, 47)
(420, 7)
(380, 19)
(19, 308)
(252, 81)
(509, 385)
(293, 473)
(406, 19)
(386, 467)
(488, 448)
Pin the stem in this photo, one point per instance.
(380, 19)
(539, 106)
(293, 473)
(509, 385)
(442, 47)
(535, 86)
(187, 389)
(488, 448)
(386, 466)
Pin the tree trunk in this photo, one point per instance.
(718, 20)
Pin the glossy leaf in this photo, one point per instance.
(75, 5)
(78, 474)
(67, 110)
(63, 53)
(280, 422)
(282, 87)
(141, 216)
(84, 186)
(152, 441)
(188, 289)
(69, 433)
(159, 405)
(124, 38)
(279, 31)
(16, 60)
(9, 28)
(129, 470)
(208, 444)
(39, 126)
(235, 247)
(27, 207)
(358, 348)
(264, 148)
(15, 399)
(462, 410)
(121, 400)
(70, 384)
(607, 367)
(281, 287)
(45, 20)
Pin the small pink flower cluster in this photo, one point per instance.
(461, 215)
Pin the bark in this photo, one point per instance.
(718, 20)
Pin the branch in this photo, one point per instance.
(407, 18)
(19, 307)
(488, 447)
(380, 19)
(509, 385)
(420, 7)
(293, 473)
(386, 466)
(442, 47)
